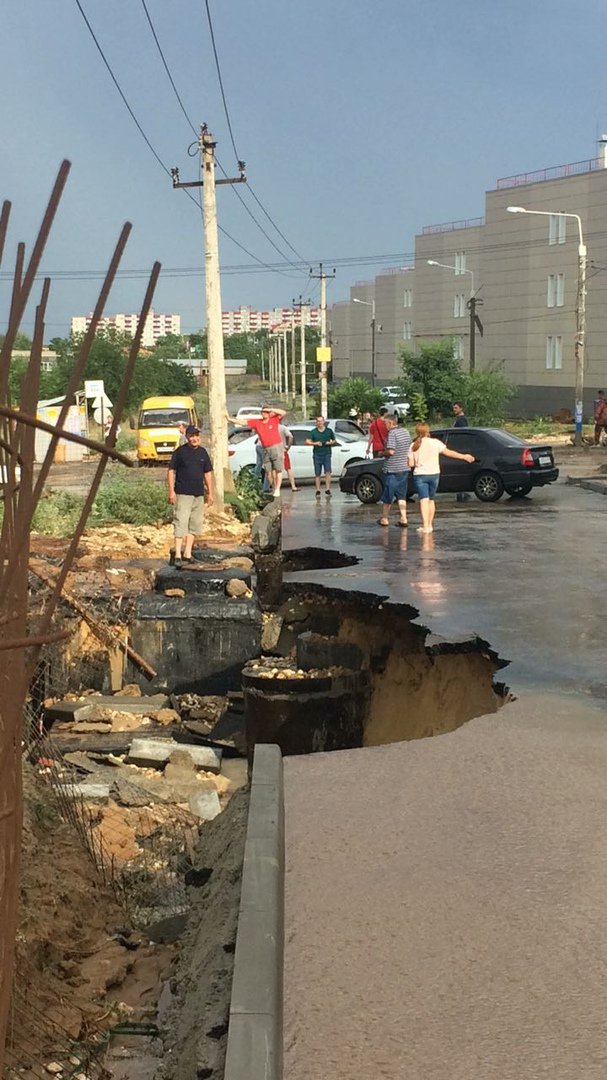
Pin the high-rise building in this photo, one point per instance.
(244, 320)
(156, 325)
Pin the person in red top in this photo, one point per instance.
(270, 437)
(378, 433)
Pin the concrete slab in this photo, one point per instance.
(453, 924)
(205, 804)
(156, 752)
(84, 707)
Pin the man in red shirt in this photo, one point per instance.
(378, 433)
(270, 437)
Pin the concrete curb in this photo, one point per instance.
(588, 484)
(254, 1049)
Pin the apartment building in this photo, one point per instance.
(156, 326)
(389, 299)
(245, 320)
(523, 269)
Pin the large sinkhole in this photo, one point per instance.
(347, 669)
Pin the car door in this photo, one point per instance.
(458, 475)
(301, 455)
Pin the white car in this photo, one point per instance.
(249, 412)
(351, 447)
(392, 398)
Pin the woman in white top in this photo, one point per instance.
(424, 459)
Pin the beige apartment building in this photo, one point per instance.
(524, 269)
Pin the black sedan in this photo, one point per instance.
(503, 463)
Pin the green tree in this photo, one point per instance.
(353, 394)
(485, 395)
(433, 371)
(170, 347)
(21, 342)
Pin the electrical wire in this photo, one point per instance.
(166, 67)
(223, 96)
(237, 155)
(156, 155)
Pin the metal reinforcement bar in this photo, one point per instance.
(255, 1034)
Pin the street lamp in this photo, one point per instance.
(471, 305)
(580, 311)
(371, 304)
(458, 270)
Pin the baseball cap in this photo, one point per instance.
(191, 430)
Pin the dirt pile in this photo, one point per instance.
(80, 968)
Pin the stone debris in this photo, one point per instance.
(157, 752)
(205, 804)
(237, 562)
(272, 626)
(175, 592)
(165, 716)
(237, 587)
(130, 690)
(89, 790)
(54, 1068)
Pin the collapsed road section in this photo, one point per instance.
(153, 777)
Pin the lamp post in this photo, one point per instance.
(371, 304)
(580, 311)
(471, 305)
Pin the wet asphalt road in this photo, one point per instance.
(526, 575)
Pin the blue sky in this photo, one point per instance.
(359, 124)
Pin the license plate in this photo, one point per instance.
(163, 447)
(545, 460)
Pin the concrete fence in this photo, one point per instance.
(255, 1034)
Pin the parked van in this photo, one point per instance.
(158, 426)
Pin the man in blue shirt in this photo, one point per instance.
(189, 476)
(396, 471)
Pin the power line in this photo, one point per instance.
(223, 96)
(156, 155)
(237, 155)
(166, 67)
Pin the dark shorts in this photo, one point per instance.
(322, 463)
(395, 487)
(426, 485)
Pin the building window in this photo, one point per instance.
(459, 305)
(458, 348)
(407, 298)
(554, 353)
(407, 331)
(556, 290)
(557, 229)
(460, 262)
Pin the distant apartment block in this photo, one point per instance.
(524, 270)
(244, 320)
(156, 325)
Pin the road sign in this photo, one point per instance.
(93, 388)
(323, 354)
(102, 400)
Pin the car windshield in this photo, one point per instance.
(163, 417)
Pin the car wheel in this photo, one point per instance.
(488, 486)
(518, 491)
(368, 488)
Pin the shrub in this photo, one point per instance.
(434, 373)
(485, 395)
(137, 501)
(247, 499)
(57, 513)
(353, 394)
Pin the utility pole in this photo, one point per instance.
(293, 371)
(285, 360)
(475, 324)
(279, 363)
(216, 364)
(301, 304)
(323, 334)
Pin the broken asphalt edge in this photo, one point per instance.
(255, 1033)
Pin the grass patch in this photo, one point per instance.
(121, 500)
(57, 513)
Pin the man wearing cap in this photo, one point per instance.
(269, 435)
(189, 477)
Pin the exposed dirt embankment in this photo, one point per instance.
(197, 1023)
(80, 970)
